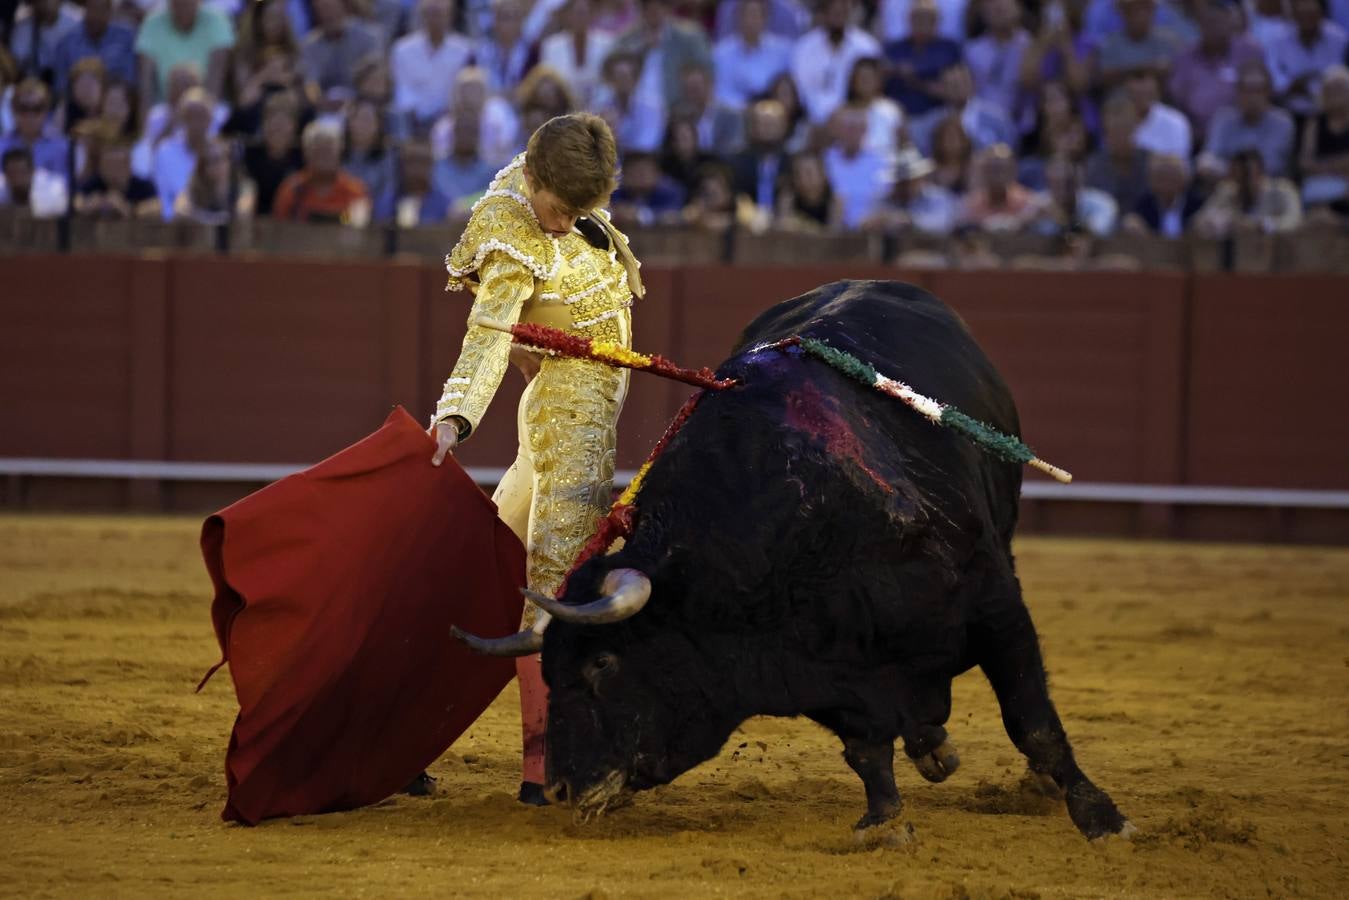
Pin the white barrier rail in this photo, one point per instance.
(1091, 492)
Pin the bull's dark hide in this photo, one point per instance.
(816, 549)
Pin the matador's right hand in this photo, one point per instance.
(447, 438)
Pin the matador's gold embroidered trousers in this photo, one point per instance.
(554, 495)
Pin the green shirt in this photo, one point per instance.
(166, 46)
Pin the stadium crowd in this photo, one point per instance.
(1057, 117)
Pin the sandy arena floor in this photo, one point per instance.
(1203, 686)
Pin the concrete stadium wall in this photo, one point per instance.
(1133, 378)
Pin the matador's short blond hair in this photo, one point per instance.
(575, 157)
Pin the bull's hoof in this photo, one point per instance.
(891, 833)
(940, 764)
(1094, 813)
(532, 794)
(1125, 833)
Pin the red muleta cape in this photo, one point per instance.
(335, 590)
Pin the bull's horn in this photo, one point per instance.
(627, 591)
(523, 643)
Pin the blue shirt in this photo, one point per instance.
(928, 62)
(744, 73)
(434, 207)
(116, 47)
(458, 180)
(48, 152)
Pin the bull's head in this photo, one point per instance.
(634, 699)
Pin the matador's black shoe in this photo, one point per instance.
(421, 786)
(531, 794)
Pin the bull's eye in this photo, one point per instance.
(599, 667)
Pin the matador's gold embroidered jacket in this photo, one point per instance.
(519, 273)
(559, 486)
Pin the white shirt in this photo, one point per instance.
(157, 121)
(743, 72)
(47, 197)
(859, 183)
(884, 116)
(423, 75)
(559, 51)
(497, 138)
(821, 70)
(892, 19)
(1165, 130)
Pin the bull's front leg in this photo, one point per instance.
(1008, 651)
(874, 763)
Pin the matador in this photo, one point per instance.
(539, 249)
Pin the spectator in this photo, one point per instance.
(1103, 18)
(1325, 145)
(35, 54)
(321, 191)
(1119, 167)
(1072, 206)
(783, 90)
(808, 203)
(747, 61)
(412, 198)
(1161, 128)
(99, 36)
(953, 155)
(823, 59)
(1267, 21)
(32, 131)
(215, 195)
(184, 32)
(1204, 79)
(113, 191)
(23, 186)
(683, 160)
(368, 156)
(505, 55)
(498, 124)
(117, 111)
(918, 59)
(84, 92)
(1169, 203)
(859, 177)
(885, 118)
(894, 19)
(578, 49)
(1254, 123)
(614, 17)
(1061, 51)
(464, 175)
(637, 121)
(757, 170)
(543, 95)
(984, 123)
(1059, 131)
(329, 53)
(175, 158)
(721, 129)
(787, 19)
(1248, 200)
(914, 201)
(647, 196)
(162, 119)
(266, 59)
(276, 155)
(712, 204)
(1142, 44)
(1297, 59)
(998, 202)
(426, 62)
(663, 47)
(995, 56)
(384, 18)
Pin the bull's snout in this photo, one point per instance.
(558, 792)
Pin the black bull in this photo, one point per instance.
(815, 548)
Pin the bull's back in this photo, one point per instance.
(910, 335)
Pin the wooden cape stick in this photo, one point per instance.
(1005, 446)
